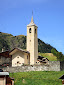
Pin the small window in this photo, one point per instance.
(27, 57)
(30, 30)
(30, 40)
(18, 57)
(17, 62)
(35, 30)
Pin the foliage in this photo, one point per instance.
(54, 51)
(9, 42)
(43, 47)
(37, 78)
(59, 55)
(3, 44)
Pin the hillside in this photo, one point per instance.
(50, 56)
(9, 42)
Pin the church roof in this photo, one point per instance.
(32, 23)
(16, 49)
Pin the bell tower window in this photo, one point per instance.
(35, 30)
(30, 30)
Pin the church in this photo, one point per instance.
(30, 55)
(19, 57)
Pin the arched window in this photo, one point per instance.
(27, 56)
(35, 30)
(30, 30)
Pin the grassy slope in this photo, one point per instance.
(50, 56)
(38, 78)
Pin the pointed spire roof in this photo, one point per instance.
(32, 22)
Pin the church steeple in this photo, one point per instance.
(32, 21)
(32, 41)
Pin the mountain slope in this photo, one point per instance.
(50, 56)
(8, 42)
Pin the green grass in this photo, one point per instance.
(38, 78)
(50, 56)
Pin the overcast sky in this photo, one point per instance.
(48, 15)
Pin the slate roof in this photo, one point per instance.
(40, 57)
(4, 73)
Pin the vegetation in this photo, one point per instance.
(50, 56)
(38, 78)
(59, 55)
(43, 47)
(10, 42)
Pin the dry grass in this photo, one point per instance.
(50, 56)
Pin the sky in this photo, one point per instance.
(48, 15)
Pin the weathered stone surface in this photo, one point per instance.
(52, 66)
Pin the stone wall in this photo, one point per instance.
(62, 66)
(5, 60)
(52, 66)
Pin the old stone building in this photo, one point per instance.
(20, 57)
(17, 56)
(5, 59)
(42, 60)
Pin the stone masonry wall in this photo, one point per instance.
(52, 66)
(62, 66)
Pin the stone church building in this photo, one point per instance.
(18, 56)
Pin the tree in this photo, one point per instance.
(54, 51)
(60, 56)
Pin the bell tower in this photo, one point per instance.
(32, 41)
